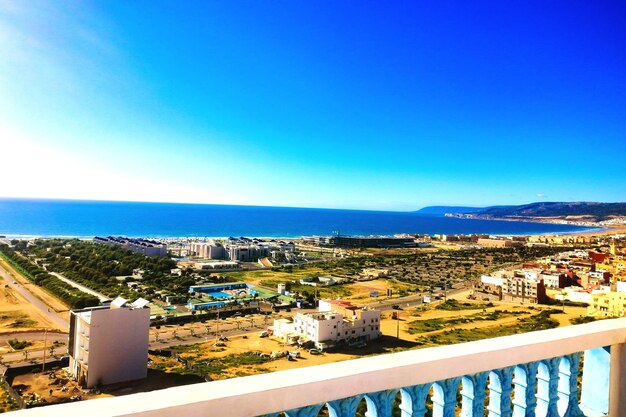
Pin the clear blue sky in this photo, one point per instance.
(346, 104)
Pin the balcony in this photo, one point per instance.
(532, 374)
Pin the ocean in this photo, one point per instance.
(48, 218)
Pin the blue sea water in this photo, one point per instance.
(35, 217)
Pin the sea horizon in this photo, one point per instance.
(84, 219)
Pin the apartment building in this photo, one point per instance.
(109, 344)
(523, 290)
(607, 304)
(144, 246)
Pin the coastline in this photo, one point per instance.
(45, 219)
(605, 231)
(599, 231)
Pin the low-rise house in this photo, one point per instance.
(335, 322)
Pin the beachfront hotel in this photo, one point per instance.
(531, 374)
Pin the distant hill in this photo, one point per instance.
(449, 209)
(599, 211)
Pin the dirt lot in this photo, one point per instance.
(58, 387)
(361, 290)
(167, 372)
(207, 352)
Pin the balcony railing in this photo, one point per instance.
(532, 374)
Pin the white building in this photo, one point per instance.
(109, 344)
(208, 250)
(335, 321)
(553, 279)
(574, 294)
(489, 280)
(220, 265)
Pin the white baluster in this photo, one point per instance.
(473, 392)
(345, 407)
(525, 400)
(414, 400)
(547, 388)
(500, 393)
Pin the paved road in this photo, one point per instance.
(410, 300)
(84, 289)
(51, 336)
(48, 312)
(184, 336)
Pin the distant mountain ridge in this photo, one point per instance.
(558, 209)
(599, 211)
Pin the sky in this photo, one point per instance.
(353, 104)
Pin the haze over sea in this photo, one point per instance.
(35, 217)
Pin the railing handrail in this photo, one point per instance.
(289, 389)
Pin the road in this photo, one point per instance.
(36, 336)
(410, 300)
(84, 289)
(48, 312)
(168, 335)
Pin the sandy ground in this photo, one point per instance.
(49, 386)
(37, 291)
(17, 314)
(388, 343)
(251, 342)
(49, 299)
(361, 290)
(611, 230)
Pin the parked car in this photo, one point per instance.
(314, 351)
(264, 333)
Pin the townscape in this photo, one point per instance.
(197, 310)
(312, 209)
